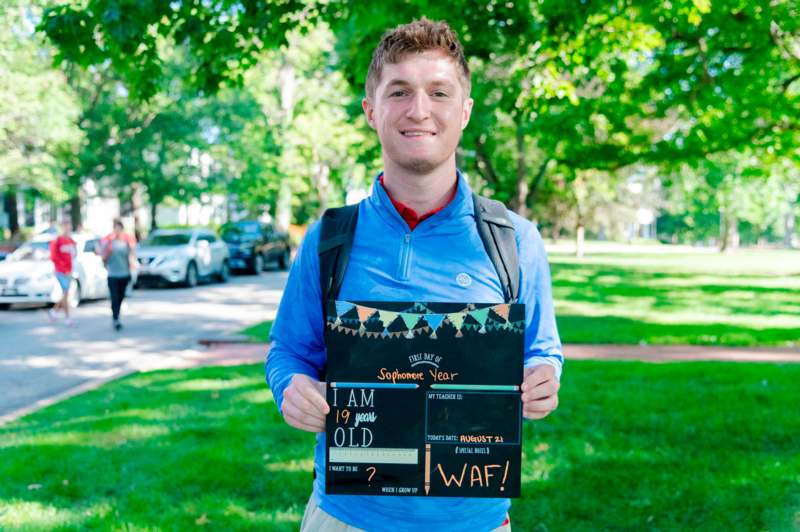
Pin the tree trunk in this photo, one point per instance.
(10, 208)
(580, 241)
(76, 217)
(153, 213)
(520, 202)
(537, 180)
(788, 227)
(729, 232)
(136, 206)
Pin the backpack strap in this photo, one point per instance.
(497, 232)
(338, 227)
(337, 231)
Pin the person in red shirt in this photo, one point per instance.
(62, 253)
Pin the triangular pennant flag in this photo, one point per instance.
(364, 313)
(410, 319)
(410, 334)
(502, 311)
(457, 319)
(480, 315)
(343, 307)
(361, 330)
(387, 317)
(434, 320)
(385, 332)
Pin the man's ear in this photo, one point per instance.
(369, 112)
(466, 112)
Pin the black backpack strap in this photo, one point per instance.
(497, 233)
(338, 228)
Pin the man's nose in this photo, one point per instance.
(419, 108)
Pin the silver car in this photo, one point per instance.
(182, 256)
(27, 275)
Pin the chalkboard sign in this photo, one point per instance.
(424, 398)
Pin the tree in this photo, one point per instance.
(37, 110)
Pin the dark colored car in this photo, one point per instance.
(253, 244)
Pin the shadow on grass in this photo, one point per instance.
(601, 284)
(613, 329)
(163, 451)
(708, 446)
(692, 446)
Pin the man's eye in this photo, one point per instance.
(440, 94)
(397, 93)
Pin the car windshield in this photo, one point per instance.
(38, 251)
(241, 232)
(167, 239)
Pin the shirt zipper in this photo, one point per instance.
(404, 273)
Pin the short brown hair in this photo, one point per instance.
(416, 37)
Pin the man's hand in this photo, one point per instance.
(539, 391)
(304, 405)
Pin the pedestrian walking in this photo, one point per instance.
(63, 252)
(118, 250)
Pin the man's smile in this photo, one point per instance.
(417, 133)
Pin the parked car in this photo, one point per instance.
(253, 244)
(6, 250)
(182, 256)
(27, 275)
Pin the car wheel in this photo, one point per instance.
(258, 265)
(191, 275)
(224, 272)
(74, 298)
(5, 306)
(284, 259)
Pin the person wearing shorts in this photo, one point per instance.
(63, 252)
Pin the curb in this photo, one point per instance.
(78, 389)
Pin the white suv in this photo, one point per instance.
(182, 256)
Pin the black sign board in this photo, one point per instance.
(424, 398)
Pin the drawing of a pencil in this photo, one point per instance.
(405, 385)
(476, 387)
(427, 468)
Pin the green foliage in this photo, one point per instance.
(37, 110)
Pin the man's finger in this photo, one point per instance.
(291, 410)
(541, 392)
(292, 396)
(537, 375)
(543, 405)
(534, 381)
(310, 391)
(302, 424)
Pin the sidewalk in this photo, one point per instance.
(224, 354)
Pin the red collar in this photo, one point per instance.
(410, 215)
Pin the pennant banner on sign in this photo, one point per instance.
(482, 320)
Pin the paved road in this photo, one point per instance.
(162, 326)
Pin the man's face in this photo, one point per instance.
(418, 110)
(66, 228)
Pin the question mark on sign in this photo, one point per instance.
(371, 474)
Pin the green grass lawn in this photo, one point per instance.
(745, 298)
(705, 446)
(258, 332)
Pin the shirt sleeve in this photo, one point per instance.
(542, 343)
(297, 337)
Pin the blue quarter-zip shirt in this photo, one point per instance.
(442, 260)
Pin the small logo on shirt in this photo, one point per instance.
(463, 279)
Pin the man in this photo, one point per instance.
(62, 253)
(416, 240)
